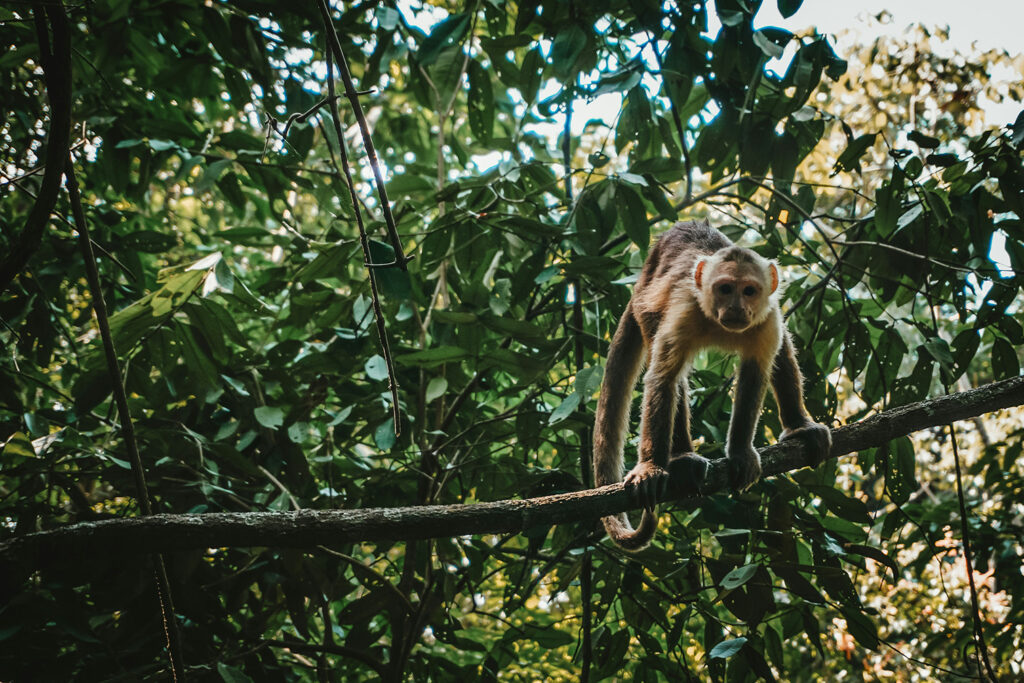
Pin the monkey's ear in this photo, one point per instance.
(698, 272)
(773, 273)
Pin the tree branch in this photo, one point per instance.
(56, 63)
(309, 528)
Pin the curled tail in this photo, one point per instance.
(625, 536)
(625, 357)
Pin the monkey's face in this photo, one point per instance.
(737, 302)
(736, 295)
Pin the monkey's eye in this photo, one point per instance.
(749, 290)
(725, 289)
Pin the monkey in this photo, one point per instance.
(695, 290)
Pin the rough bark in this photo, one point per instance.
(308, 528)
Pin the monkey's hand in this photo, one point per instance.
(649, 482)
(687, 472)
(744, 467)
(816, 436)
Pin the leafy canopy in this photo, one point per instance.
(244, 321)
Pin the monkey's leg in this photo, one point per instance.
(612, 420)
(686, 469)
(744, 461)
(650, 477)
(787, 383)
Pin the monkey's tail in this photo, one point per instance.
(625, 357)
(625, 536)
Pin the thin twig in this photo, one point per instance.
(965, 531)
(334, 43)
(163, 584)
(586, 571)
(905, 252)
(296, 647)
(378, 313)
(676, 120)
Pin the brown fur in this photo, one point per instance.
(696, 290)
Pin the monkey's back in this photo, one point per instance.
(676, 251)
(692, 235)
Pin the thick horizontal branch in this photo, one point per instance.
(309, 528)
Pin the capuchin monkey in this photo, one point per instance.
(696, 289)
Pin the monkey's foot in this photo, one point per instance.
(687, 472)
(816, 436)
(649, 483)
(744, 468)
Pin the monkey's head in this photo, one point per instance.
(735, 287)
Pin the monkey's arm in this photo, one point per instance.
(787, 383)
(751, 384)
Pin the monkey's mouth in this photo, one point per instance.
(734, 324)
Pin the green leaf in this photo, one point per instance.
(392, 280)
(436, 389)
(270, 417)
(448, 32)
(944, 160)
(530, 75)
(327, 264)
(849, 160)
(739, 576)
(202, 372)
(566, 50)
(384, 435)
(727, 648)
(446, 73)
(622, 80)
(861, 627)
(842, 505)
(298, 431)
(387, 18)
(875, 554)
(913, 167)
(1004, 359)
(566, 408)
(633, 213)
(480, 101)
(799, 585)
(1017, 132)
(857, 349)
(772, 41)
(376, 368)
(431, 357)
(900, 477)
(784, 160)
(788, 8)
(729, 17)
(588, 381)
(938, 349)
(17, 447)
(163, 145)
(964, 347)
(547, 635)
(922, 140)
(232, 190)
(149, 241)
(232, 674)
(887, 207)
(909, 216)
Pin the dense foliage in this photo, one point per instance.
(230, 257)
